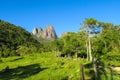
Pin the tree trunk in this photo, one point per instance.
(76, 55)
(87, 50)
(81, 73)
(89, 44)
(95, 68)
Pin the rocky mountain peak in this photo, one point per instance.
(35, 31)
(48, 33)
(49, 27)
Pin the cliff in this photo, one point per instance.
(48, 33)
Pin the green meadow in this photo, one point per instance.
(43, 66)
(46, 66)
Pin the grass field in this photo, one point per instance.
(44, 66)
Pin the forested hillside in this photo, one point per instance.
(14, 40)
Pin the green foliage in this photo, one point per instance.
(90, 21)
(112, 58)
(70, 45)
(57, 45)
(12, 37)
(106, 42)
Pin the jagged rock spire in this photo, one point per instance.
(48, 33)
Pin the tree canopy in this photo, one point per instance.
(12, 38)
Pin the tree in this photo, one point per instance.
(90, 26)
(82, 36)
(106, 26)
(56, 46)
(70, 44)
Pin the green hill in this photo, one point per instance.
(14, 40)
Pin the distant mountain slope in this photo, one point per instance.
(13, 37)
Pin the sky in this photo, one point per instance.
(63, 15)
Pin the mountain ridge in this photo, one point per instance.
(48, 33)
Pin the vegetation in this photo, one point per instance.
(96, 46)
(46, 66)
(14, 40)
(42, 66)
(95, 39)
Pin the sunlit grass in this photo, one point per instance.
(46, 66)
(54, 67)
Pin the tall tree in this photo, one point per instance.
(90, 26)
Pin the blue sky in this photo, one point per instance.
(63, 15)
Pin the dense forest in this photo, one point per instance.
(14, 40)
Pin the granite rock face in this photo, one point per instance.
(37, 32)
(48, 33)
